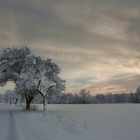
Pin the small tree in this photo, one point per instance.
(137, 95)
(85, 96)
(10, 96)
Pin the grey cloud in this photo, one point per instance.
(81, 36)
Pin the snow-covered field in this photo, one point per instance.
(71, 122)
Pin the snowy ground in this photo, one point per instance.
(71, 122)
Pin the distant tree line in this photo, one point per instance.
(84, 97)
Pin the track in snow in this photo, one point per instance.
(12, 133)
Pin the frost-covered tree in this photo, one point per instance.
(85, 96)
(31, 74)
(39, 77)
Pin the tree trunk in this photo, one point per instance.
(44, 99)
(28, 102)
(27, 105)
(44, 103)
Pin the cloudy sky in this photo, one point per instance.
(95, 42)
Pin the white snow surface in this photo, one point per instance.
(71, 122)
